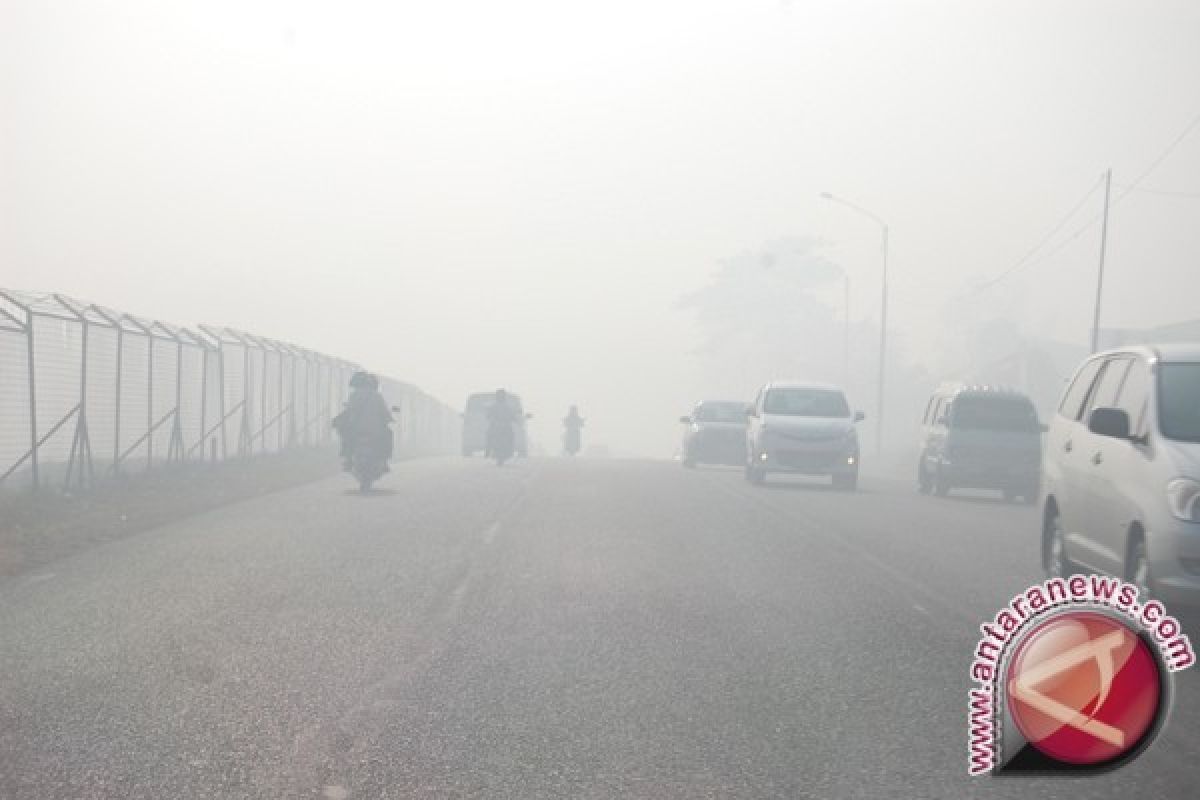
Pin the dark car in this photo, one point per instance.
(715, 434)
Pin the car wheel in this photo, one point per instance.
(1054, 556)
(755, 475)
(941, 484)
(689, 462)
(924, 485)
(1137, 566)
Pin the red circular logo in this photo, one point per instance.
(1083, 688)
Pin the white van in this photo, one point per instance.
(1121, 472)
(804, 428)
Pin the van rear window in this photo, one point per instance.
(994, 414)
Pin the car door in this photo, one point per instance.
(1091, 545)
(1111, 462)
(1062, 461)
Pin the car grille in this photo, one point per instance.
(797, 459)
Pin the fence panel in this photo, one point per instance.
(87, 391)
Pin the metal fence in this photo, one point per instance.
(86, 391)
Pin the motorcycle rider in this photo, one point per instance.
(366, 417)
(572, 425)
(501, 418)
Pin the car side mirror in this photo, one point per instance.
(686, 420)
(859, 416)
(1112, 422)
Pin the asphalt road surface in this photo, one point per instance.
(552, 629)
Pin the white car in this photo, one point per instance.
(1121, 472)
(804, 428)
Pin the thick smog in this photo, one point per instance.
(773, 399)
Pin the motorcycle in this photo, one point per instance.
(571, 441)
(501, 442)
(370, 453)
(369, 462)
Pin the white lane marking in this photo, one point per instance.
(336, 793)
(922, 609)
(44, 576)
(490, 533)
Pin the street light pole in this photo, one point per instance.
(883, 309)
(1100, 269)
(846, 331)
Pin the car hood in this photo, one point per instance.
(808, 427)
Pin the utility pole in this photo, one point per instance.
(882, 313)
(1100, 269)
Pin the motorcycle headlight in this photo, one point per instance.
(1183, 496)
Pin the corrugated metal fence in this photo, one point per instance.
(87, 391)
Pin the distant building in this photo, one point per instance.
(1188, 331)
(1041, 367)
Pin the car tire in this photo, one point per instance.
(924, 484)
(755, 476)
(941, 485)
(1054, 547)
(846, 482)
(689, 462)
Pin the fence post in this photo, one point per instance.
(116, 464)
(32, 374)
(149, 399)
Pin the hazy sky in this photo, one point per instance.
(473, 194)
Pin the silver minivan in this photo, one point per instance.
(980, 437)
(1121, 472)
(803, 428)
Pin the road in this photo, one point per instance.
(553, 629)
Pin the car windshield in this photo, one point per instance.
(1179, 401)
(994, 414)
(721, 412)
(807, 403)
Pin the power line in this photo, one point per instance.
(1128, 189)
(1025, 259)
(1191, 126)
(1163, 192)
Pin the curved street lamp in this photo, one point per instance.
(882, 314)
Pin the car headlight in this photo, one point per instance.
(1183, 496)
